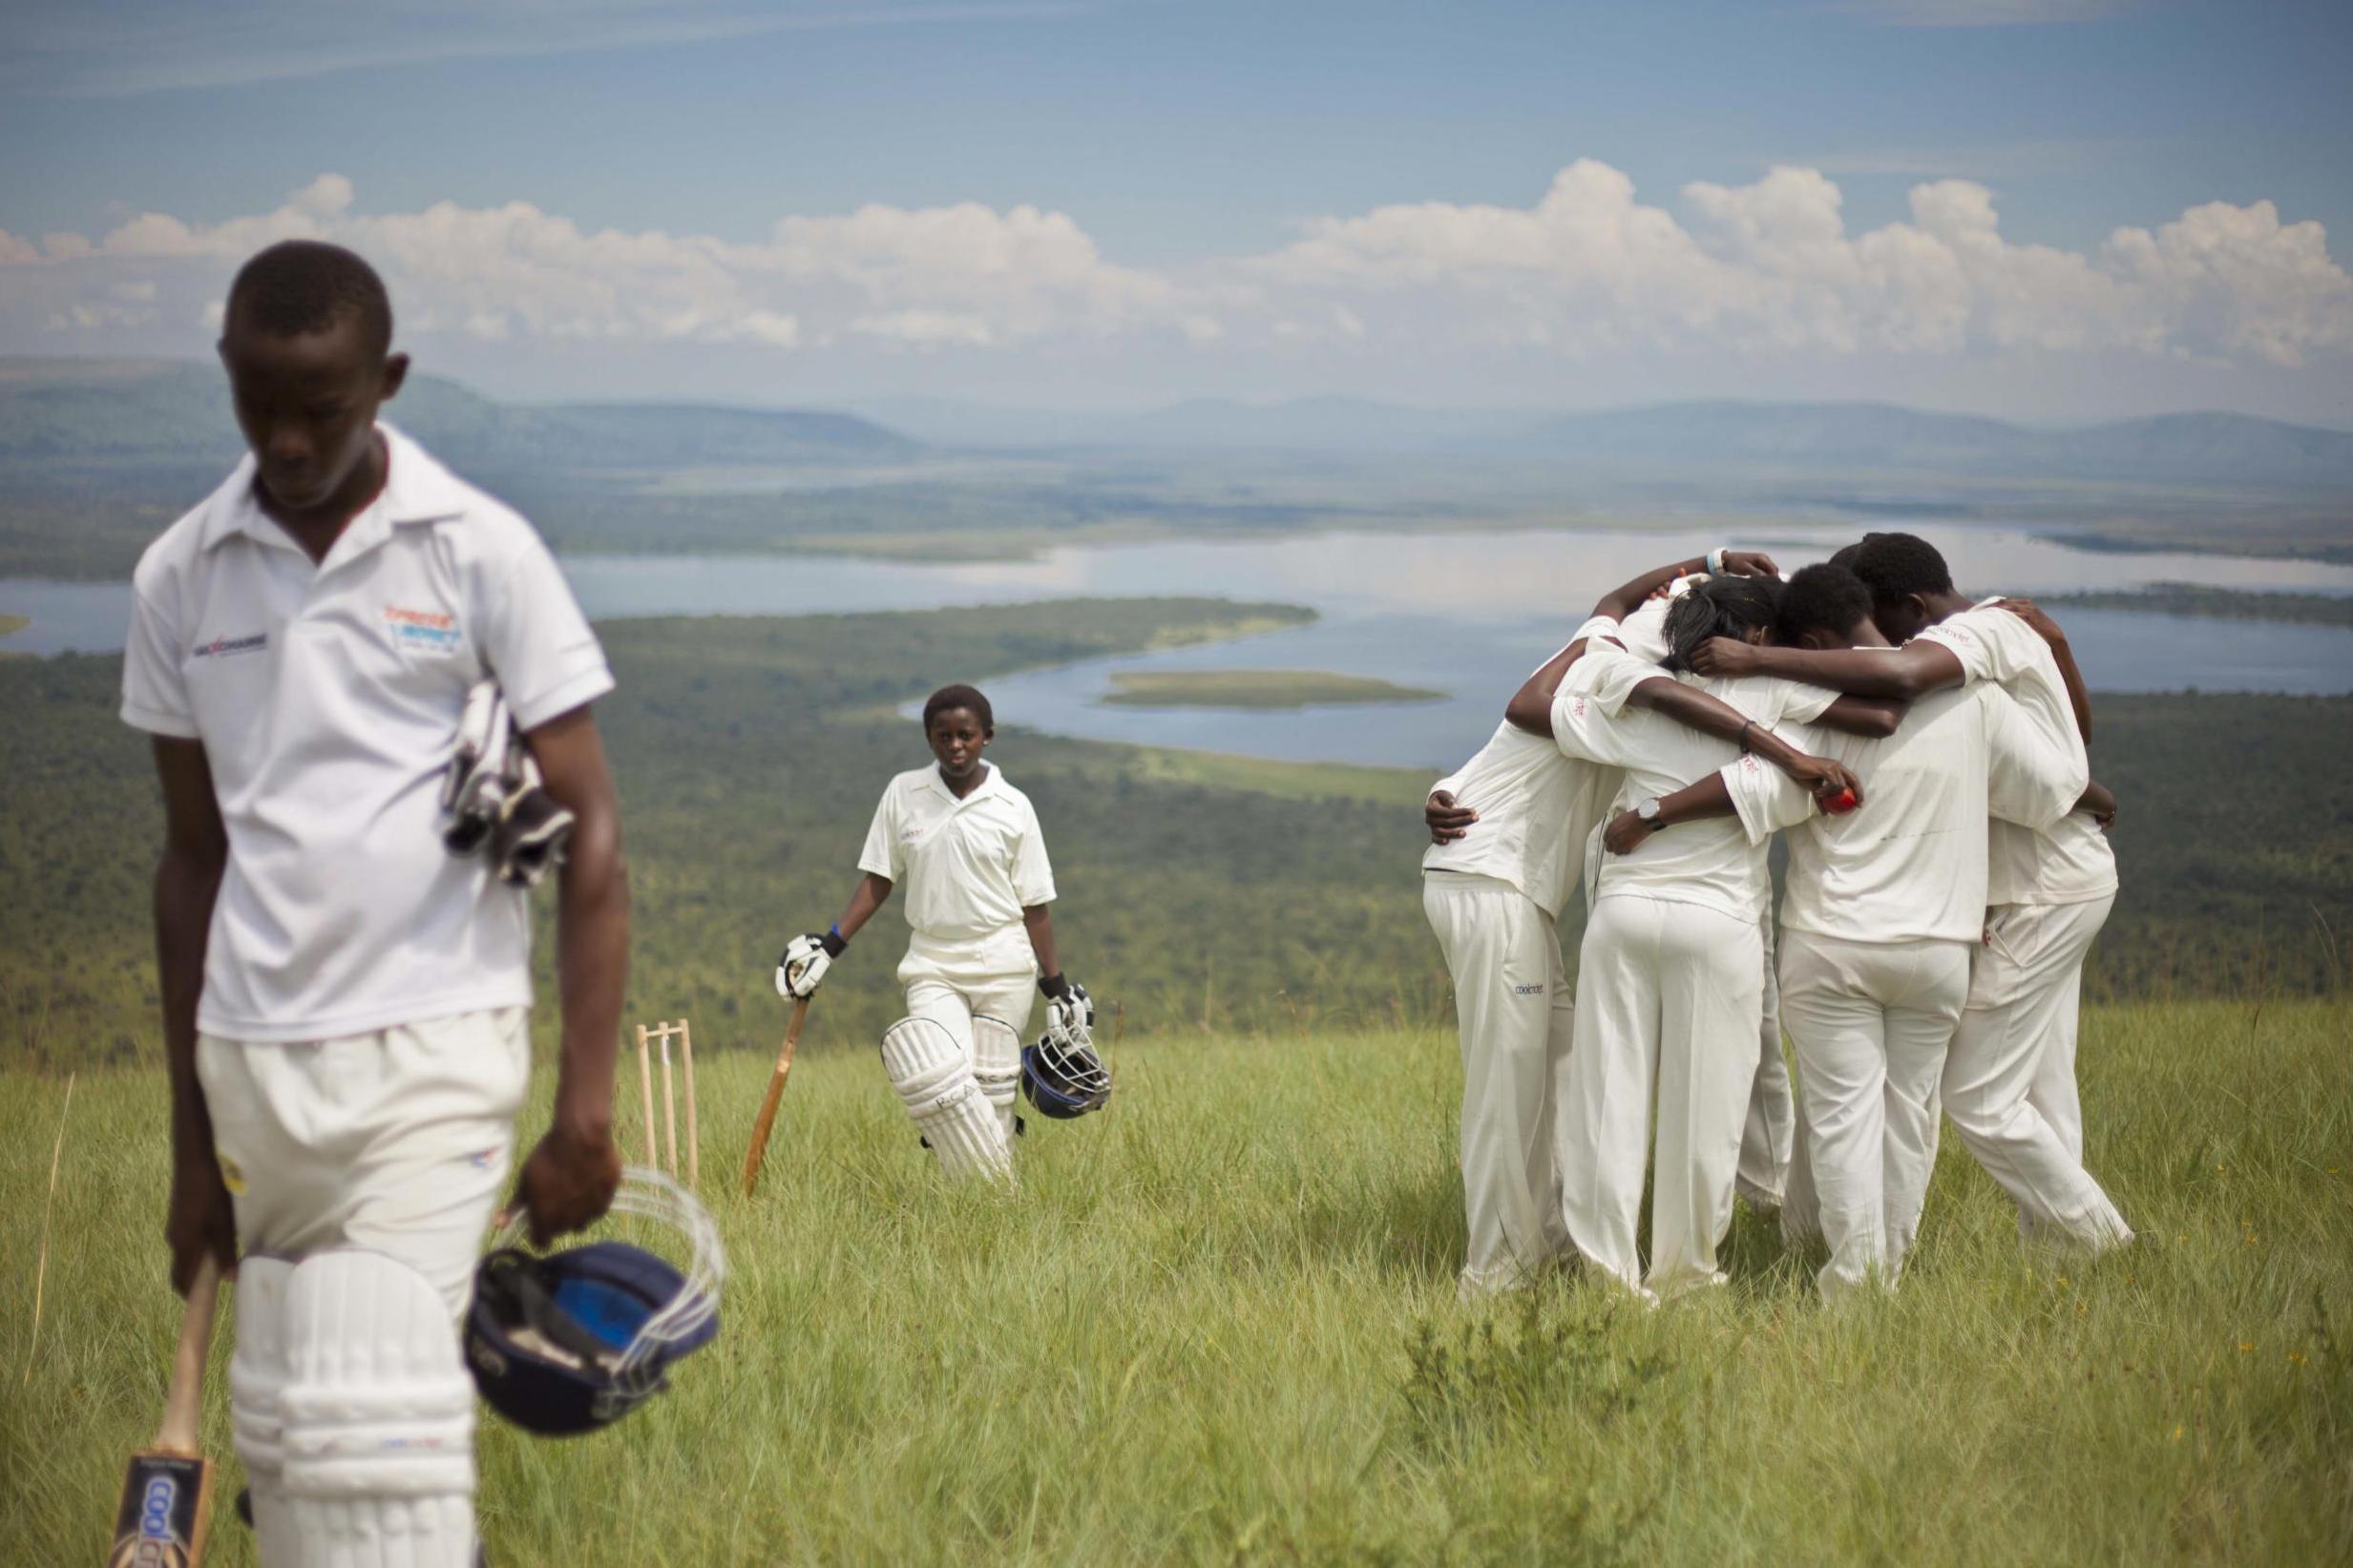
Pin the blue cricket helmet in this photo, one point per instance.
(567, 1343)
(1063, 1078)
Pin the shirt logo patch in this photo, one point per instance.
(1537, 989)
(423, 630)
(222, 647)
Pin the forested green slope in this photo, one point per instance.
(1245, 894)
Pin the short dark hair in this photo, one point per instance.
(948, 699)
(1824, 598)
(1721, 606)
(307, 285)
(1895, 565)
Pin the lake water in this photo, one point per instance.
(1467, 614)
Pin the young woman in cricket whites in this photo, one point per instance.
(1508, 832)
(968, 848)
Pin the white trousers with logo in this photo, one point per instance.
(2009, 1084)
(396, 1141)
(1668, 995)
(1513, 1010)
(1872, 1022)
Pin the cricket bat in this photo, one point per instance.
(167, 1493)
(759, 1150)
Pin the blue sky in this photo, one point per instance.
(1191, 148)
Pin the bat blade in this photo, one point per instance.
(758, 1152)
(166, 1508)
(167, 1492)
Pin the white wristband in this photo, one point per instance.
(1715, 561)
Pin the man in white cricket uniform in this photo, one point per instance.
(345, 1004)
(1493, 897)
(1877, 922)
(968, 847)
(2010, 1084)
(2011, 1079)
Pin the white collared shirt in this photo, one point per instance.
(969, 866)
(327, 698)
(2071, 860)
(1535, 805)
(1908, 864)
(1711, 861)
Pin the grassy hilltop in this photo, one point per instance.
(1216, 1325)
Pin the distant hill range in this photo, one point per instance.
(1685, 438)
(169, 413)
(155, 413)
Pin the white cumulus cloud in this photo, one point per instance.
(1588, 270)
(958, 275)
(1771, 266)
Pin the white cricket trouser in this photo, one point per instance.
(2063, 928)
(949, 982)
(1667, 993)
(1769, 1140)
(1872, 1022)
(396, 1141)
(369, 1163)
(1513, 1010)
(2020, 1023)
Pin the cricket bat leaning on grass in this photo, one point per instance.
(759, 1150)
(167, 1493)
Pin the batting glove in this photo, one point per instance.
(1070, 1012)
(807, 958)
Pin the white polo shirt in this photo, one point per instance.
(1535, 807)
(1909, 864)
(969, 867)
(1711, 861)
(327, 698)
(2071, 860)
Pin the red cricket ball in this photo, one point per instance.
(1841, 804)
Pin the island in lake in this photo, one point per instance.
(2210, 603)
(1254, 689)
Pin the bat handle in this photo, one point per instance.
(186, 1399)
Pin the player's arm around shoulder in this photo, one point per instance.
(568, 1179)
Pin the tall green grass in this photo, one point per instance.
(1217, 1323)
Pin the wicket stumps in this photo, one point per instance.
(662, 1032)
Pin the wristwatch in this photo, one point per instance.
(1648, 812)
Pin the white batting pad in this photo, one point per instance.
(997, 1065)
(377, 1419)
(259, 1370)
(934, 1076)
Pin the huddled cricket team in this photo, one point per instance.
(369, 691)
(1925, 759)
